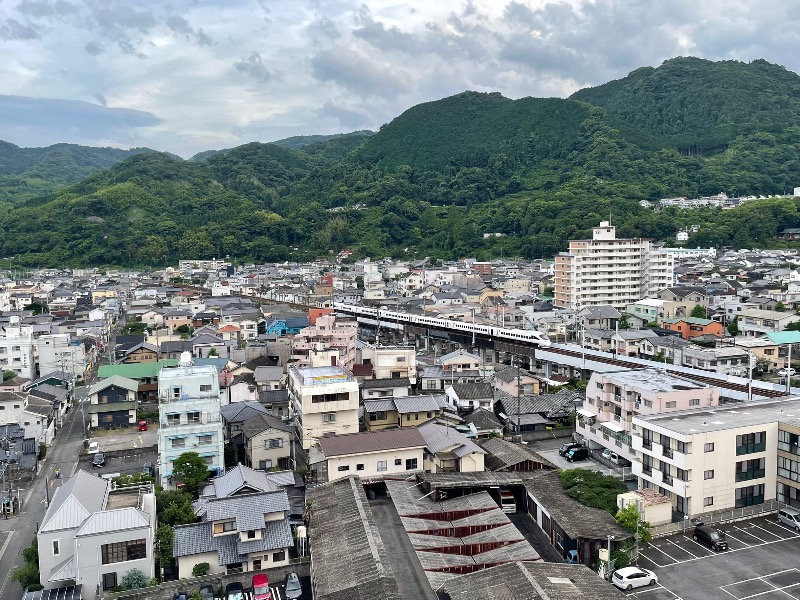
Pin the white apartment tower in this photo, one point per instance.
(607, 270)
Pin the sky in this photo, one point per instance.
(190, 75)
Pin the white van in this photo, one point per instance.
(507, 502)
(790, 517)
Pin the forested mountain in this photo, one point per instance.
(301, 141)
(436, 178)
(30, 172)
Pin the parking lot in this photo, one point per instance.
(124, 462)
(589, 463)
(761, 562)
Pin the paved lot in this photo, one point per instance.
(563, 463)
(127, 463)
(761, 563)
(124, 439)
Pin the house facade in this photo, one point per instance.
(113, 402)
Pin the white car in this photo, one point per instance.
(784, 372)
(633, 577)
(94, 447)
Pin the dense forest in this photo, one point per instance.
(439, 176)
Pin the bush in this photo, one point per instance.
(620, 558)
(200, 569)
(134, 579)
(42, 450)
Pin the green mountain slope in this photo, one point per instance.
(699, 106)
(29, 172)
(301, 141)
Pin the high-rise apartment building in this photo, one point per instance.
(607, 270)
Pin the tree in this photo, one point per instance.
(165, 537)
(623, 322)
(200, 569)
(629, 517)
(762, 364)
(27, 575)
(792, 326)
(733, 327)
(8, 374)
(698, 312)
(191, 470)
(592, 488)
(780, 307)
(213, 352)
(133, 580)
(174, 508)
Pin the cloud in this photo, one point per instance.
(349, 117)
(14, 30)
(44, 121)
(129, 48)
(358, 73)
(253, 67)
(100, 98)
(180, 25)
(93, 48)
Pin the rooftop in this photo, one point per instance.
(653, 380)
(321, 375)
(371, 441)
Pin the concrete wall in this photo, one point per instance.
(187, 563)
(370, 462)
(91, 569)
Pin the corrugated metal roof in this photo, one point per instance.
(237, 412)
(81, 495)
(438, 438)
(240, 477)
(64, 571)
(107, 521)
(248, 510)
(371, 441)
(115, 380)
(137, 370)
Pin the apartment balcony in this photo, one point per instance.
(667, 451)
(173, 424)
(667, 478)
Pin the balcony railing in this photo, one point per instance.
(666, 478)
(647, 469)
(750, 448)
(666, 451)
(748, 475)
(209, 419)
(647, 444)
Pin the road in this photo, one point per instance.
(17, 532)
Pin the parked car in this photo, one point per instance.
(633, 577)
(786, 371)
(293, 589)
(577, 454)
(234, 591)
(261, 587)
(615, 458)
(713, 538)
(94, 447)
(207, 592)
(790, 517)
(567, 447)
(573, 558)
(99, 460)
(142, 425)
(180, 596)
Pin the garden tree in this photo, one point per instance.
(792, 326)
(8, 374)
(174, 507)
(134, 327)
(661, 356)
(200, 569)
(37, 308)
(591, 488)
(623, 322)
(133, 580)
(629, 518)
(780, 307)
(762, 364)
(191, 470)
(733, 327)
(698, 312)
(213, 352)
(27, 575)
(165, 538)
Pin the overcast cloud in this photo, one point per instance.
(189, 75)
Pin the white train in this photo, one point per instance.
(521, 335)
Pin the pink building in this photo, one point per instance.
(326, 343)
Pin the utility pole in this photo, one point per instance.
(519, 431)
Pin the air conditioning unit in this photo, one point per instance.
(606, 403)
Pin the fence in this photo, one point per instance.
(719, 517)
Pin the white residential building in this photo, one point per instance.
(189, 416)
(390, 362)
(57, 352)
(607, 270)
(17, 349)
(323, 401)
(614, 399)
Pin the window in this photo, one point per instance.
(209, 460)
(694, 402)
(273, 443)
(430, 415)
(224, 527)
(344, 467)
(377, 416)
(398, 462)
(381, 466)
(251, 534)
(257, 565)
(648, 403)
(751, 469)
(264, 464)
(56, 547)
(279, 556)
(408, 417)
(748, 443)
(16, 406)
(359, 466)
(103, 399)
(329, 417)
(708, 447)
(709, 501)
(173, 419)
(178, 442)
(176, 392)
(750, 495)
(205, 387)
(411, 464)
(708, 474)
(682, 447)
(123, 551)
(109, 581)
(204, 440)
(193, 417)
(671, 404)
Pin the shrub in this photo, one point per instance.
(200, 569)
(134, 579)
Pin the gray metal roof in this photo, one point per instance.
(113, 520)
(70, 592)
(274, 535)
(115, 380)
(80, 496)
(382, 384)
(238, 412)
(263, 422)
(264, 374)
(439, 438)
(473, 391)
(195, 538)
(350, 560)
(503, 454)
(240, 479)
(371, 441)
(248, 510)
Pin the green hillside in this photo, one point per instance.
(699, 106)
(302, 141)
(438, 177)
(26, 173)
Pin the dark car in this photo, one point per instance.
(708, 536)
(207, 592)
(293, 589)
(99, 460)
(234, 591)
(180, 596)
(577, 454)
(567, 447)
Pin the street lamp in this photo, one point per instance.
(610, 560)
(472, 308)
